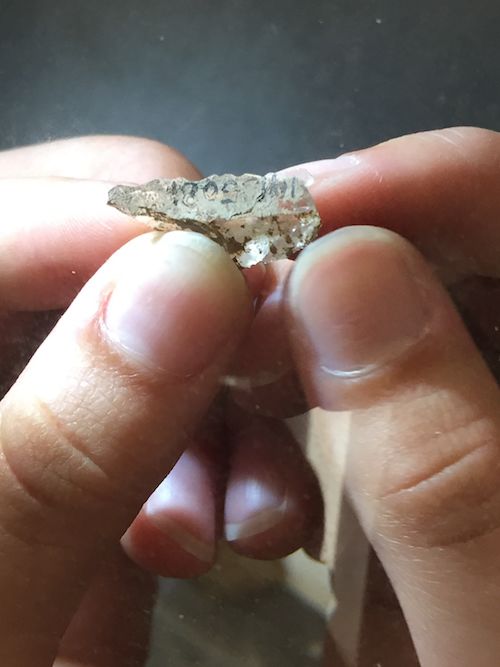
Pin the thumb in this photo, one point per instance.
(99, 417)
(376, 335)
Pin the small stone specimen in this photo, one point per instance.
(255, 218)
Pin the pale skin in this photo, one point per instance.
(119, 390)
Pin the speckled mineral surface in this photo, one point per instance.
(255, 218)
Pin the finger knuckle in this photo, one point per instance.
(448, 490)
(50, 464)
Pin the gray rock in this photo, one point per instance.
(255, 218)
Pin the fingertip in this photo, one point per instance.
(359, 302)
(174, 535)
(272, 498)
(179, 279)
(176, 553)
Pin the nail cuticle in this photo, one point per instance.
(379, 367)
(185, 540)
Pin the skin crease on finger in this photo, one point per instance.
(423, 463)
(84, 439)
(381, 183)
(52, 563)
(444, 243)
(119, 158)
(332, 184)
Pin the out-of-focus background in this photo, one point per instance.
(246, 85)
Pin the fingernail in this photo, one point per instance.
(188, 542)
(332, 170)
(175, 511)
(256, 494)
(256, 510)
(177, 304)
(359, 296)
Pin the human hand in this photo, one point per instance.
(381, 192)
(375, 335)
(111, 397)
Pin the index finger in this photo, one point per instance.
(99, 157)
(439, 189)
(55, 227)
(54, 234)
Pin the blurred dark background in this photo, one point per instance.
(247, 85)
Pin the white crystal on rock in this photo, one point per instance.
(255, 218)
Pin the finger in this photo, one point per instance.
(478, 300)
(264, 355)
(56, 232)
(50, 248)
(101, 158)
(174, 535)
(99, 417)
(438, 189)
(384, 635)
(376, 334)
(112, 626)
(61, 246)
(263, 380)
(58, 250)
(273, 504)
(176, 531)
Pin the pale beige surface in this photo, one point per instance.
(324, 437)
(309, 580)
